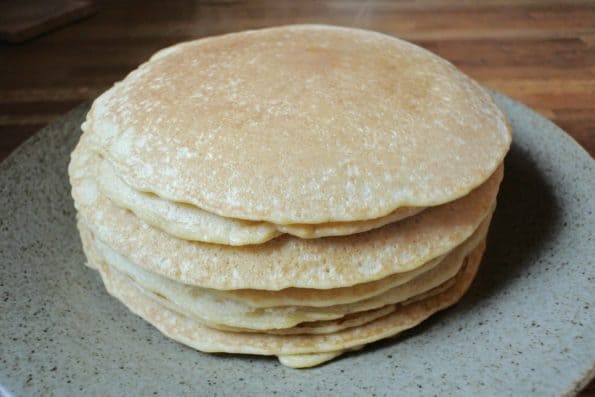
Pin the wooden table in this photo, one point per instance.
(541, 53)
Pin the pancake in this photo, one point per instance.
(324, 297)
(345, 228)
(193, 334)
(290, 296)
(300, 125)
(311, 360)
(286, 261)
(207, 307)
(189, 222)
(345, 295)
(181, 220)
(348, 321)
(88, 242)
(323, 327)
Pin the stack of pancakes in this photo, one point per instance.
(297, 191)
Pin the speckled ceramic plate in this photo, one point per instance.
(527, 326)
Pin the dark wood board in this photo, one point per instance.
(24, 19)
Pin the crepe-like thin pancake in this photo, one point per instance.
(192, 333)
(300, 124)
(206, 306)
(189, 222)
(286, 261)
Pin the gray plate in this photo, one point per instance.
(525, 328)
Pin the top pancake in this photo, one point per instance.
(300, 124)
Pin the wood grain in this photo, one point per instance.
(24, 19)
(539, 52)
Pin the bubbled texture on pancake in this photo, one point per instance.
(300, 124)
(180, 220)
(286, 261)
